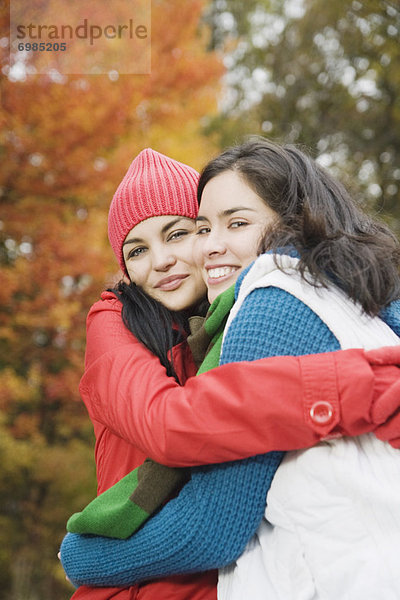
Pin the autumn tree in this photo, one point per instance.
(65, 143)
(322, 74)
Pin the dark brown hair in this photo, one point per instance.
(154, 325)
(335, 240)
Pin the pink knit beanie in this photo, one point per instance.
(154, 185)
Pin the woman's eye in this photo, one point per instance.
(136, 252)
(237, 224)
(177, 234)
(203, 230)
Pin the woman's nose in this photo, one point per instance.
(213, 244)
(163, 260)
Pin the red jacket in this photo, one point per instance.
(235, 411)
(116, 456)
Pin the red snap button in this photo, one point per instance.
(321, 412)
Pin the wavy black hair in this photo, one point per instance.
(336, 241)
(154, 325)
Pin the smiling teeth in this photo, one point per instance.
(220, 272)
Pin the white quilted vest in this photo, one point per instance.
(332, 522)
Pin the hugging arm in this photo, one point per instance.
(234, 411)
(206, 526)
(219, 509)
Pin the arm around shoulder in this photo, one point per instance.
(234, 411)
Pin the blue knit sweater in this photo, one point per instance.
(217, 512)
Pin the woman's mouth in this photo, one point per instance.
(170, 283)
(217, 275)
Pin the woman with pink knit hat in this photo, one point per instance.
(137, 410)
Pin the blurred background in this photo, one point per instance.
(325, 75)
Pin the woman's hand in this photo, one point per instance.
(66, 577)
(385, 410)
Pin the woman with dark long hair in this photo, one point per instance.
(327, 273)
(231, 204)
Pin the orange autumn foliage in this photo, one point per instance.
(65, 146)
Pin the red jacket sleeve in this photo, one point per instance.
(231, 412)
(90, 593)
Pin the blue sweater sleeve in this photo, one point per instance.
(216, 513)
(204, 527)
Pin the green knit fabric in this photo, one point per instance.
(214, 325)
(108, 514)
(122, 509)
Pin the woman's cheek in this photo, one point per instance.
(198, 255)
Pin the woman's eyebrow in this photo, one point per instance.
(172, 223)
(163, 230)
(227, 212)
(132, 241)
(230, 211)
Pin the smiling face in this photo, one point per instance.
(158, 255)
(230, 224)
